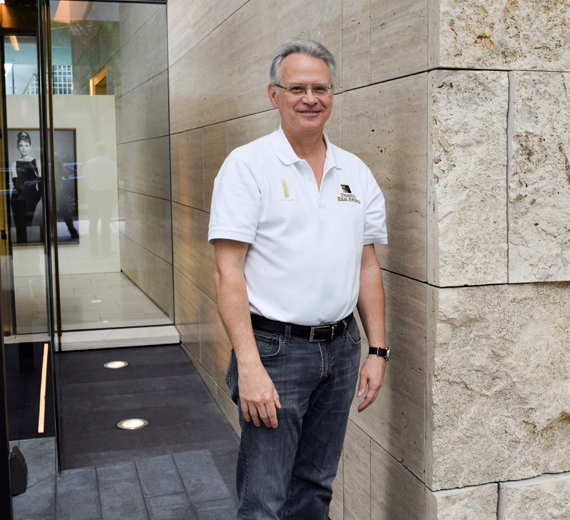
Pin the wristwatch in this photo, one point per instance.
(381, 352)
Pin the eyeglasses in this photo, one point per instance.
(301, 90)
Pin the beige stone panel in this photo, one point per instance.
(539, 187)
(397, 494)
(399, 38)
(229, 408)
(134, 16)
(396, 420)
(515, 35)
(470, 503)
(385, 125)
(244, 130)
(142, 113)
(467, 161)
(545, 497)
(500, 389)
(191, 22)
(182, 77)
(145, 55)
(149, 272)
(356, 474)
(215, 347)
(193, 256)
(143, 167)
(355, 43)
(187, 166)
(215, 153)
(148, 222)
(336, 511)
(262, 27)
(187, 303)
(209, 86)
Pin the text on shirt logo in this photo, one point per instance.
(346, 195)
(286, 192)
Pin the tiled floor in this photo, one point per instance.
(181, 466)
(183, 486)
(88, 301)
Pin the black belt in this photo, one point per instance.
(313, 334)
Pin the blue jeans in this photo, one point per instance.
(286, 473)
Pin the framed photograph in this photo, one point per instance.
(25, 179)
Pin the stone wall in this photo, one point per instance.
(461, 111)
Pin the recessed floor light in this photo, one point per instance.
(96, 301)
(132, 424)
(116, 364)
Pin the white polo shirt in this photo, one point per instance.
(303, 262)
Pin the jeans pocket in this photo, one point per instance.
(353, 334)
(268, 344)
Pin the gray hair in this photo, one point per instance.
(309, 47)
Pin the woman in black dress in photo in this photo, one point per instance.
(27, 191)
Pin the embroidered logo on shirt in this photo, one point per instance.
(286, 192)
(346, 195)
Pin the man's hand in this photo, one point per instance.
(258, 397)
(371, 376)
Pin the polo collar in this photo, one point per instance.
(287, 155)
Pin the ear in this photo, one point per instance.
(272, 92)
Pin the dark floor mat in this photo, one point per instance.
(159, 385)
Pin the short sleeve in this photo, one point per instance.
(236, 203)
(375, 226)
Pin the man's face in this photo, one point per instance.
(308, 113)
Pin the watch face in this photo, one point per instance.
(388, 353)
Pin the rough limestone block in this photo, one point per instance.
(500, 394)
(467, 162)
(545, 497)
(471, 503)
(385, 125)
(509, 34)
(539, 187)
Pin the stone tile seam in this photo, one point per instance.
(145, 138)
(132, 36)
(499, 483)
(340, 93)
(388, 453)
(145, 194)
(165, 70)
(474, 285)
(214, 302)
(141, 490)
(510, 149)
(214, 29)
(192, 506)
(151, 252)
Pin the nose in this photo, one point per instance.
(309, 98)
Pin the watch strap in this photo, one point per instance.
(377, 351)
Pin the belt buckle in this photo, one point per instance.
(314, 329)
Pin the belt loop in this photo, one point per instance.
(345, 330)
(287, 334)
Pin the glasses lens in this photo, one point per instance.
(296, 90)
(321, 90)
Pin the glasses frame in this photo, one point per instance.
(307, 88)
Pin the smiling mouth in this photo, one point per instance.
(309, 111)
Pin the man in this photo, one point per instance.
(293, 223)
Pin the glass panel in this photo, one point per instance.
(114, 218)
(25, 288)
